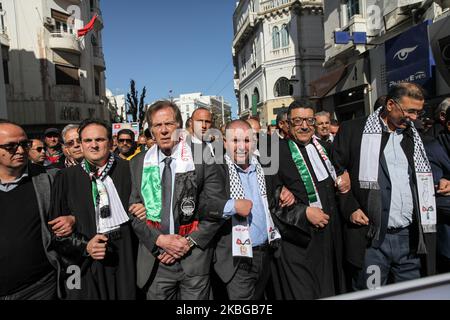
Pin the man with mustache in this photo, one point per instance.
(390, 214)
(309, 266)
(72, 145)
(97, 192)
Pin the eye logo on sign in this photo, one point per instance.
(403, 54)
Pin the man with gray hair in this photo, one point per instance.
(439, 118)
(323, 121)
(282, 123)
(72, 145)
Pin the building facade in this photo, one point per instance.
(3, 109)
(385, 42)
(116, 106)
(52, 76)
(277, 52)
(188, 103)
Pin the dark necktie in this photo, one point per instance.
(166, 184)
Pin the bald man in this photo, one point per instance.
(244, 266)
(30, 271)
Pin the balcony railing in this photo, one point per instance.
(64, 41)
(273, 4)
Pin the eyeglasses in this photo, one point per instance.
(71, 143)
(39, 149)
(417, 113)
(129, 141)
(299, 121)
(12, 147)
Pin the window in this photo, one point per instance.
(256, 97)
(352, 8)
(62, 22)
(275, 38)
(5, 57)
(243, 65)
(283, 88)
(284, 36)
(97, 84)
(2, 20)
(246, 102)
(67, 75)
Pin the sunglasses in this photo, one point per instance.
(12, 147)
(71, 143)
(39, 149)
(125, 141)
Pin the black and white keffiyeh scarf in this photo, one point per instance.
(242, 244)
(369, 166)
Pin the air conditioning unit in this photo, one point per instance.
(49, 22)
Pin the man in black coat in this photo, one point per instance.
(97, 192)
(309, 266)
(181, 192)
(384, 224)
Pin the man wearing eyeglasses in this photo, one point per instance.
(72, 145)
(309, 265)
(390, 214)
(27, 266)
(126, 144)
(37, 152)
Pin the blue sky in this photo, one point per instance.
(184, 46)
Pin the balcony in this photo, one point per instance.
(65, 42)
(99, 59)
(4, 40)
(244, 29)
(270, 5)
(356, 24)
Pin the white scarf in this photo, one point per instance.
(369, 166)
(109, 211)
(242, 244)
(151, 179)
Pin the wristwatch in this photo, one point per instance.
(190, 241)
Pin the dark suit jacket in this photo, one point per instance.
(42, 181)
(209, 201)
(346, 156)
(224, 263)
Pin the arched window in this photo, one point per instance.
(284, 35)
(283, 88)
(275, 38)
(246, 102)
(256, 96)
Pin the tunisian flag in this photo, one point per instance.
(82, 32)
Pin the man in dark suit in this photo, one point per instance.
(246, 275)
(385, 225)
(184, 198)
